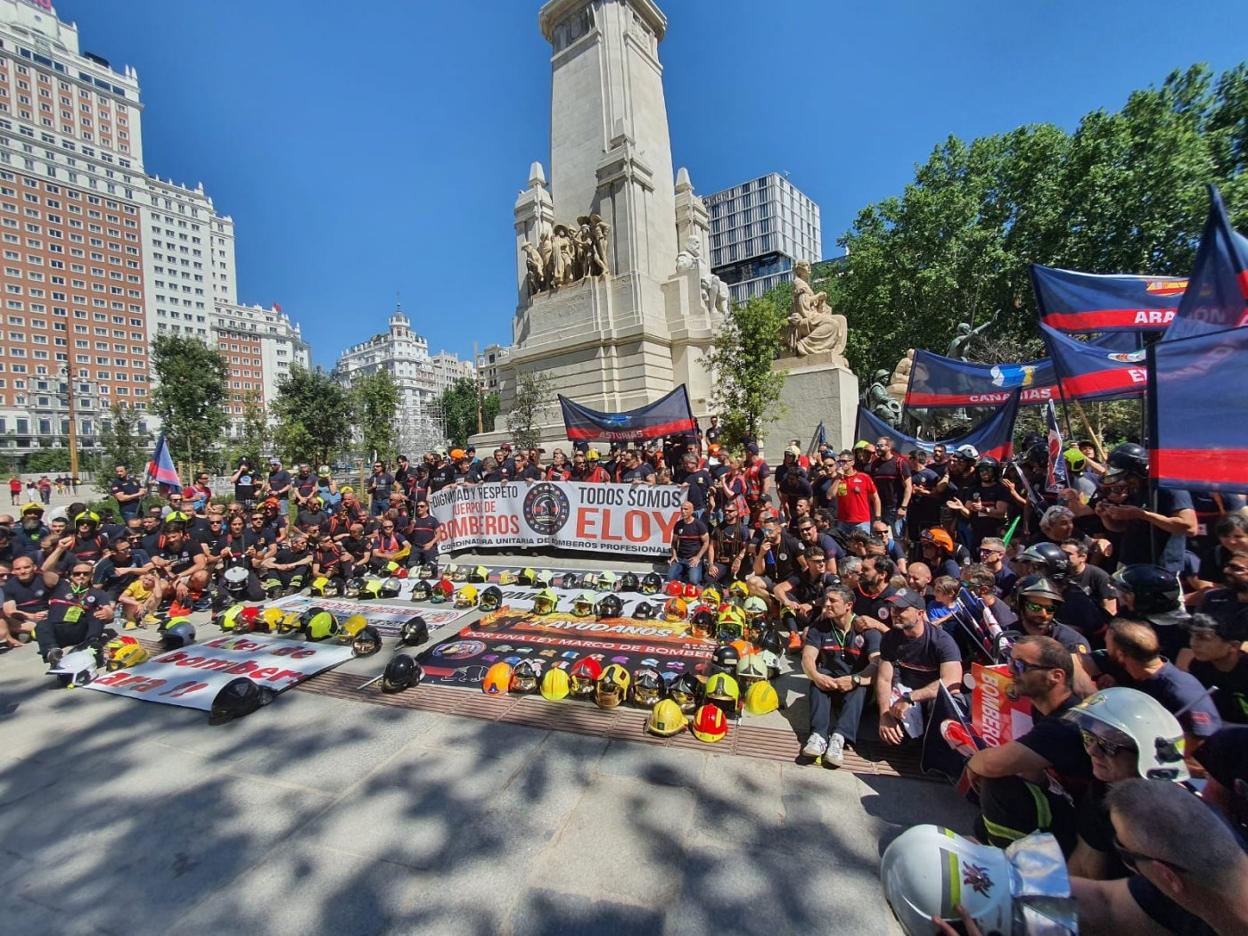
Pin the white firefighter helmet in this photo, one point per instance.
(1128, 715)
(1023, 890)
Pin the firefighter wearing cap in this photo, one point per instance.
(1140, 531)
(916, 658)
(1029, 784)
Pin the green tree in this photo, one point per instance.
(313, 416)
(458, 403)
(531, 401)
(253, 431)
(747, 386)
(375, 399)
(122, 444)
(1125, 192)
(190, 395)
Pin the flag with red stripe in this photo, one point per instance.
(1199, 412)
(1088, 371)
(1071, 301)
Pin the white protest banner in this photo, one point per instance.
(192, 676)
(387, 618)
(620, 518)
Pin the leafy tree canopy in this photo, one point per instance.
(313, 416)
(189, 396)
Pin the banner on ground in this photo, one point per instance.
(387, 618)
(512, 634)
(996, 717)
(1194, 449)
(666, 416)
(1217, 294)
(1090, 371)
(621, 518)
(192, 676)
(937, 381)
(1094, 302)
(994, 436)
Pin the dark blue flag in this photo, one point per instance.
(994, 436)
(1217, 295)
(1090, 371)
(1093, 302)
(1199, 412)
(669, 415)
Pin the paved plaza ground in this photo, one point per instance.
(326, 815)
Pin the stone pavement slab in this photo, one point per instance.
(324, 815)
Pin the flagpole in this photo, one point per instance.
(1096, 439)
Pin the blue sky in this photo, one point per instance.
(366, 149)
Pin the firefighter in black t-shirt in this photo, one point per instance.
(77, 612)
(800, 596)
(1013, 780)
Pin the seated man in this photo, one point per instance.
(25, 601)
(1038, 601)
(121, 565)
(801, 596)
(690, 542)
(1126, 734)
(1132, 658)
(915, 660)
(77, 612)
(1015, 793)
(839, 659)
(778, 555)
(387, 546)
(289, 566)
(175, 560)
(1190, 874)
(1217, 658)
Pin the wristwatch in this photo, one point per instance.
(855, 679)
(907, 698)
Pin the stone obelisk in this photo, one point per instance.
(622, 332)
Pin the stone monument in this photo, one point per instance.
(616, 302)
(819, 386)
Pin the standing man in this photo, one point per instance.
(690, 542)
(278, 484)
(839, 658)
(697, 484)
(15, 490)
(857, 500)
(712, 433)
(244, 481)
(127, 492)
(379, 485)
(424, 538)
(200, 494)
(891, 475)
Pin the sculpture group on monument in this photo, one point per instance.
(564, 256)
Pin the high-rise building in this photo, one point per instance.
(259, 346)
(759, 230)
(72, 190)
(98, 256)
(419, 376)
(188, 252)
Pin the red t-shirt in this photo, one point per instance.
(853, 498)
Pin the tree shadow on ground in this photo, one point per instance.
(322, 815)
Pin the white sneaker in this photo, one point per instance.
(836, 751)
(816, 744)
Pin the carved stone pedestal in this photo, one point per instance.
(815, 390)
